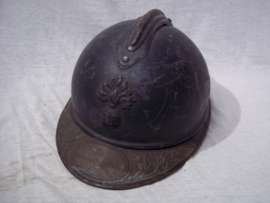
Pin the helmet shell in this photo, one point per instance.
(157, 101)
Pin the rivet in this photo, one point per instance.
(125, 58)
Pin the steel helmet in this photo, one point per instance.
(139, 107)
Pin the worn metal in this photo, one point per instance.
(107, 166)
(139, 106)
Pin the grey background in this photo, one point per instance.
(40, 42)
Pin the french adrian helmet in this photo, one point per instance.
(139, 107)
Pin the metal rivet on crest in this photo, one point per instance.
(125, 58)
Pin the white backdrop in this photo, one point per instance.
(40, 42)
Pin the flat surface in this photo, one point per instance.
(40, 42)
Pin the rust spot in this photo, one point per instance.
(144, 96)
(139, 29)
(86, 63)
(146, 17)
(180, 62)
(143, 54)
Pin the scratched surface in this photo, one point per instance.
(40, 42)
(107, 166)
(155, 102)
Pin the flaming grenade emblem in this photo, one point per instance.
(116, 93)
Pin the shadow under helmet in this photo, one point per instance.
(139, 107)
